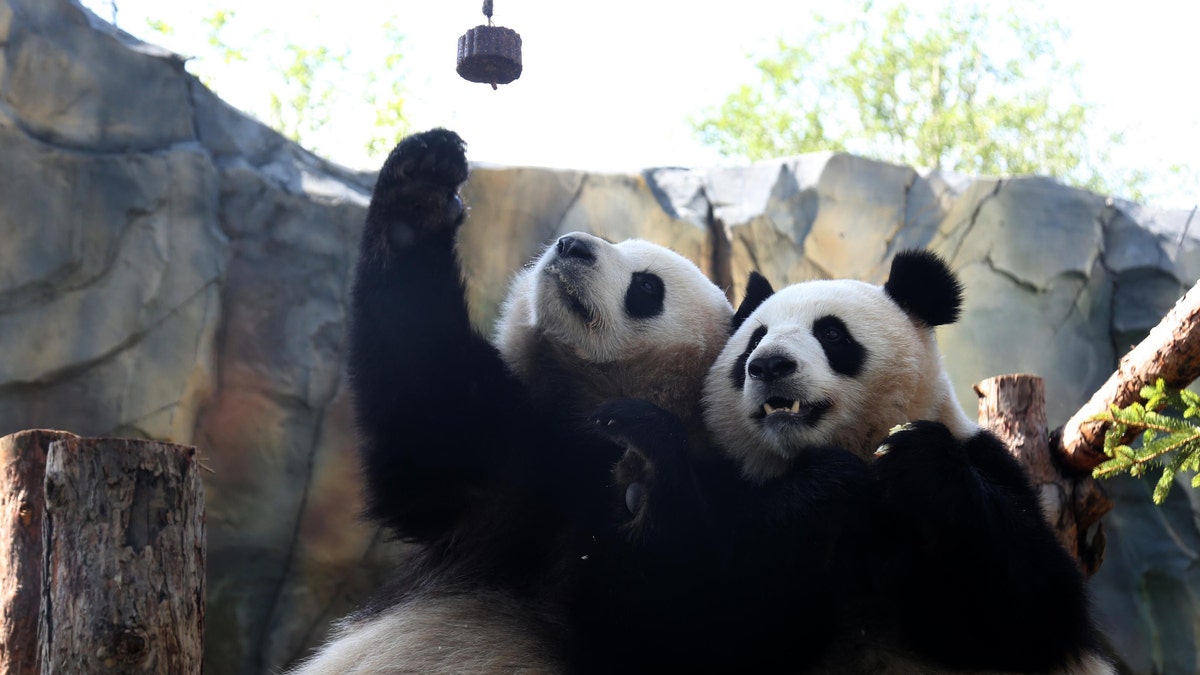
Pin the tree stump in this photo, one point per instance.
(123, 588)
(22, 471)
(1014, 408)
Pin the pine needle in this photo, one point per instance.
(1168, 442)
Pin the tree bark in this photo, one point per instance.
(1171, 351)
(123, 585)
(22, 471)
(1014, 408)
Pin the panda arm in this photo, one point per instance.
(656, 498)
(637, 593)
(680, 499)
(436, 408)
(976, 576)
(714, 566)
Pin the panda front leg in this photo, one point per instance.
(646, 603)
(653, 477)
(973, 574)
(433, 399)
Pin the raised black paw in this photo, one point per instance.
(416, 193)
(437, 157)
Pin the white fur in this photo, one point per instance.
(480, 633)
(903, 378)
(696, 312)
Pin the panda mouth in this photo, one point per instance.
(792, 410)
(566, 284)
(578, 308)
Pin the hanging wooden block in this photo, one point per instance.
(489, 54)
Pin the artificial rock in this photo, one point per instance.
(173, 269)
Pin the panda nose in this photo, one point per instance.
(570, 247)
(771, 368)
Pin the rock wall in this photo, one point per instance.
(174, 270)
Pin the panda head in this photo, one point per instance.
(833, 363)
(643, 314)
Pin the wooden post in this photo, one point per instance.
(1014, 408)
(123, 585)
(22, 471)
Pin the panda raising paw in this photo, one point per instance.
(477, 450)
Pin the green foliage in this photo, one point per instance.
(217, 23)
(303, 87)
(300, 105)
(160, 27)
(972, 90)
(390, 123)
(1167, 442)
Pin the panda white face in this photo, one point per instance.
(607, 302)
(594, 321)
(826, 363)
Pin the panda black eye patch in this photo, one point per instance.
(845, 355)
(738, 375)
(644, 297)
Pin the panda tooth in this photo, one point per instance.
(767, 408)
(795, 406)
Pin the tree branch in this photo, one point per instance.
(1171, 351)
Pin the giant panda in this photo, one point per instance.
(843, 545)
(476, 451)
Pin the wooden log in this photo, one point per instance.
(22, 472)
(1171, 351)
(123, 588)
(1014, 408)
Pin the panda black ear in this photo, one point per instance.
(757, 290)
(923, 285)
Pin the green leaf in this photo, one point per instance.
(1167, 442)
(970, 88)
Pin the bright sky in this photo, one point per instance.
(609, 85)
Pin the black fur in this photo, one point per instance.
(923, 285)
(738, 374)
(644, 297)
(938, 551)
(969, 568)
(457, 456)
(845, 355)
(758, 289)
(717, 574)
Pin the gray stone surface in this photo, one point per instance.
(173, 269)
